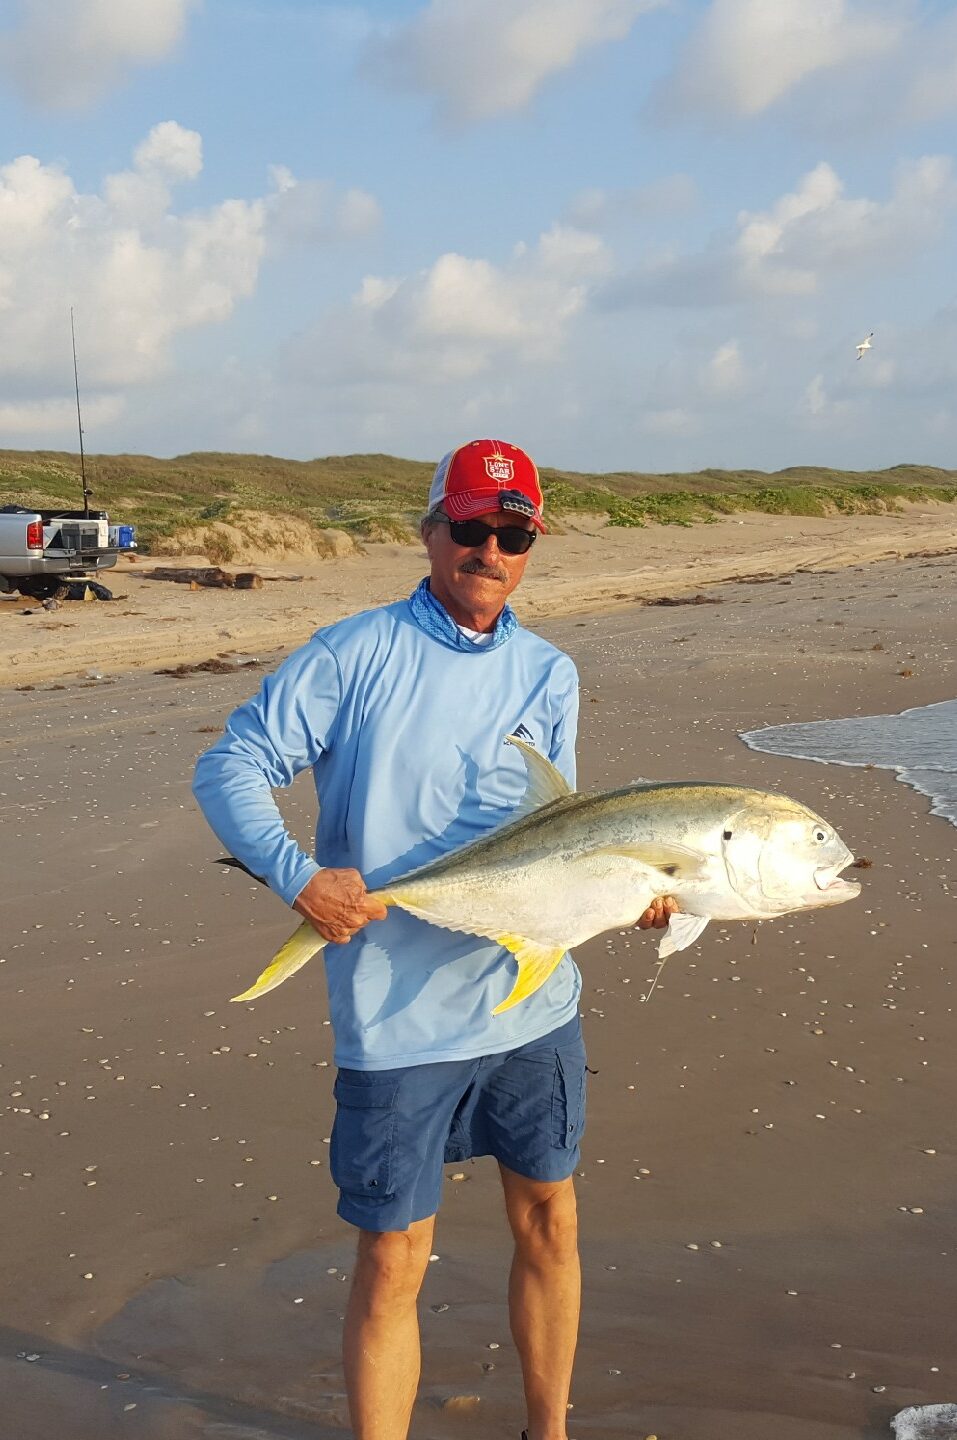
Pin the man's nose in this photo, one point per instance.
(489, 546)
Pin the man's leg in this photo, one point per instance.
(381, 1338)
(544, 1295)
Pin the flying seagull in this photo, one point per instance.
(865, 345)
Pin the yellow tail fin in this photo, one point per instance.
(300, 947)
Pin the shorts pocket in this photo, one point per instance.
(362, 1148)
(568, 1097)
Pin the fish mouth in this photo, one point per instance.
(829, 881)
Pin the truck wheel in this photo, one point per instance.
(39, 587)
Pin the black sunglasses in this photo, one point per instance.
(470, 534)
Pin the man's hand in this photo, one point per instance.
(659, 912)
(337, 904)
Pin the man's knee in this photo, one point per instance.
(390, 1266)
(545, 1223)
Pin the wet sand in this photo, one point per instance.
(777, 1098)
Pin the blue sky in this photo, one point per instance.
(627, 234)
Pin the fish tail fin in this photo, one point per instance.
(535, 964)
(300, 947)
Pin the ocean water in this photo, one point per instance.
(920, 744)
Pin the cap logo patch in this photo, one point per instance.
(499, 468)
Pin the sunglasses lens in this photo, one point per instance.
(470, 534)
(514, 540)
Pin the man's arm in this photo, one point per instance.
(281, 731)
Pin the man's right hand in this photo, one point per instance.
(337, 904)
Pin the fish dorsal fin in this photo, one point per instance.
(535, 964)
(545, 782)
(683, 930)
(673, 860)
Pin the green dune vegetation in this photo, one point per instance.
(379, 497)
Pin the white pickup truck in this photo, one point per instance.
(40, 550)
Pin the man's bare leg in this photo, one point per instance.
(544, 1295)
(380, 1348)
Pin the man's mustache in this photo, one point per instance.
(488, 572)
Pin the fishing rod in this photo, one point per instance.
(76, 381)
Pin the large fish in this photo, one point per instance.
(566, 866)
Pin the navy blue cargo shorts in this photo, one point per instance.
(395, 1129)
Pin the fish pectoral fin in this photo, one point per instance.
(535, 964)
(545, 782)
(674, 861)
(683, 930)
(300, 947)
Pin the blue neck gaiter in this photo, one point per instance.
(436, 621)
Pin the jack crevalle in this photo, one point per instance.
(566, 866)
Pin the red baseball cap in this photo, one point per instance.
(485, 475)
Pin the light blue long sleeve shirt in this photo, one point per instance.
(404, 731)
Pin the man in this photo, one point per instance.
(402, 713)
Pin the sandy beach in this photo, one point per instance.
(586, 567)
(769, 1174)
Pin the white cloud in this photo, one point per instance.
(65, 54)
(931, 89)
(677, 421)
(805, 239)
(307, 211)
(831, 406)
(725, 372)
(597, 209)
(38, 417)
(815, 396)
(817, 230)
(747, 54)
(462, 317)
(171, 151)
(138, 273)
(486, 57)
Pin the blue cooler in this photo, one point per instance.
(123, 537)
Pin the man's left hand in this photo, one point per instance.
(659, 912)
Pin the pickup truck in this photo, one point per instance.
(40, 550)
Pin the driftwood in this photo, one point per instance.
(685, 600)
(209, 576)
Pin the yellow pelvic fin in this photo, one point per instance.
(300, 947)
(535, 964)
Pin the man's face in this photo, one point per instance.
(475, 580)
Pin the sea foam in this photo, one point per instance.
(920, 744)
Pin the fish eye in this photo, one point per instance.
(820, 835)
